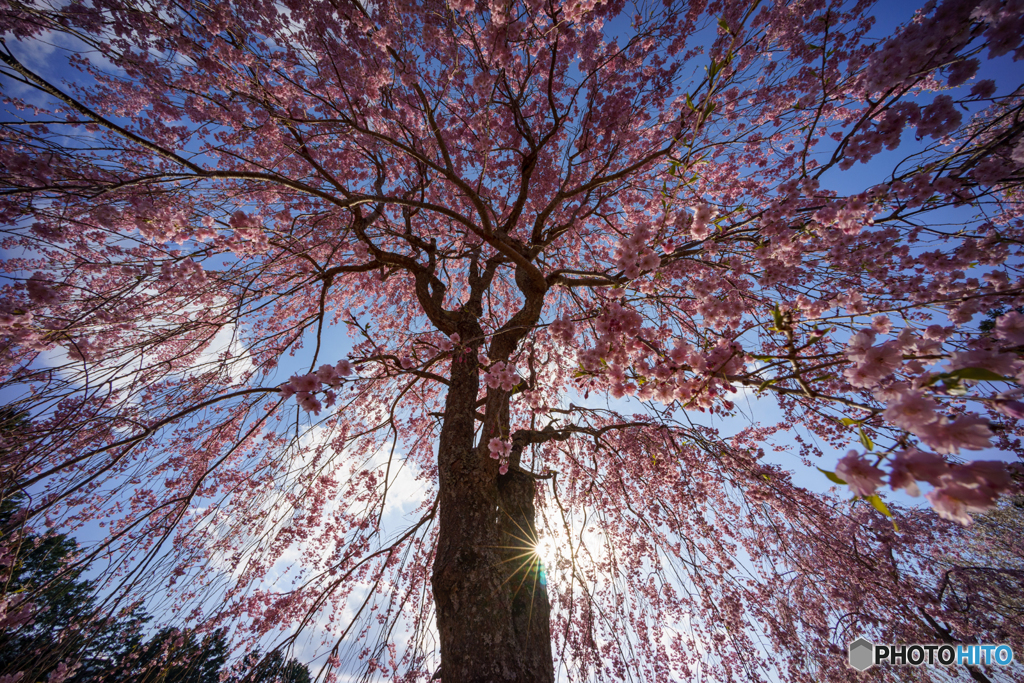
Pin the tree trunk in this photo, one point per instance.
(492, 605)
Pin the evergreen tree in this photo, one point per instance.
(67, 626)
(173, 656)
(37, 574)
(272, 668)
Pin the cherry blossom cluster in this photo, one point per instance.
(154, 221)
(894, 370)
(683, 373)
(850, 216)
(917, 413)
(161, 223)
(1004, 27)
(31, 170)
(183, 273)
(958, 489)
(500, 450)
(41, 290)
(305, 387)
(908, 407)
(20, 326)
(921, 47)
(16, 321)
(935, 120)
(62, 673)
(700, 226)
(15, 611)
(206, 231)
(563, 330)
(85, 349)
(872, 362)
(446, 344)
(502, 375)
(917, 407)
(634, 256)
(1010, 328)
(248, 238)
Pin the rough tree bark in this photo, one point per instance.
(492, 611)
(492, 608)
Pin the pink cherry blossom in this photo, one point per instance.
(954, 502)
(999, 363)
(968, 432)
(501, 375)
(328, 374)
(1010, 328)
(876, 363)
(912, 411)
(499, 448)
(881, 324)
(990, 475)
(859, 344)
(862, 477)
(911, 466)
(41, 290)
(901, 478)
(564, 330)
(307, 383)
(1010, 408)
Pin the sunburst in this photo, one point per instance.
(527, 561)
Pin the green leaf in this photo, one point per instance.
(849, 421)
(765, 384)
(878, 504)
(777, 317)
(953, 387)
(832, 477)
(979, 374)
(725, 26)
(866, 440)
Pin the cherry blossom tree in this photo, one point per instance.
(922, 580)
(263, 260)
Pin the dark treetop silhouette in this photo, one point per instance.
(515, 208)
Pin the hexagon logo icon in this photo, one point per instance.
(862, 653)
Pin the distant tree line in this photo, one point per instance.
(62, 636)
